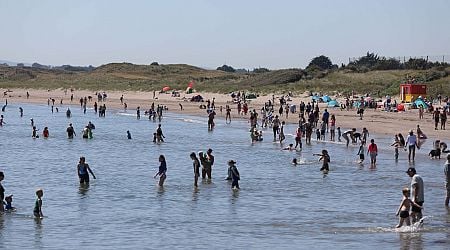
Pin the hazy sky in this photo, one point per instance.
(240, 33)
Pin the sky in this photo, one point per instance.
(241, 33)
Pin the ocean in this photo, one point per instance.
(279, 206)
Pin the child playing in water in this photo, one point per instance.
(403, 209)
(361, 153)
(396, 145)
(325, 158)
(37, 211)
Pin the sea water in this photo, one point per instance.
(279, 206)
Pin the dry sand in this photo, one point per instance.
(378, 121)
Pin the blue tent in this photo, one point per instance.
(326, 98)
(315, 98)
(333, 103)
(419, 102)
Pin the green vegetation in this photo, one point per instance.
(369, 74)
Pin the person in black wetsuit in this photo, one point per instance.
(2, 192)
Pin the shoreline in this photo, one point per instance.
(376, 121)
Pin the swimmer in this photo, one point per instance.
(294, 162)
(403, 209)
(1, 120)
(37, 211)
(128, 134)
(290, 147)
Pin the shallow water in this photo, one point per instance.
(279, 206)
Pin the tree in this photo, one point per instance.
(321, 62)
(226, 68)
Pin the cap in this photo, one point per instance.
(231, 162)
(411, 170)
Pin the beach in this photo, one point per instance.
(376, 121)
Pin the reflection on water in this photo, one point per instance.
(279, 206)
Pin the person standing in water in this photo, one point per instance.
(325, 158)
(162, 170)
(2, 192)
(209, 162)
(128, 134)
(70, 131)
(417, 194)
(159, 134)
(37, 211)
(228, 114)
(45, 132)
(235, 176)
(196, 165)
(403, 209)
(372, 150)
(447, 180)
(83, 171)
(275, 127)
(411, 142)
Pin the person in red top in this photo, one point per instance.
(373, 152)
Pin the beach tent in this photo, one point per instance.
(333, 103)
(166, 88)
(325, 98)
(419, 102)
(315, 98)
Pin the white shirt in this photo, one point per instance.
(411, 140)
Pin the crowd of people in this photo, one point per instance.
(310, 120)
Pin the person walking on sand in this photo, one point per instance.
(196, 166)
(83, 171)
(162, 170)
(417, 194)
(372, 150)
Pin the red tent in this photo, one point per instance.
(191, 84)
(166, 88)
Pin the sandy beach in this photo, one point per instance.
(376, 121)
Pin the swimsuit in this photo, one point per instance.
(404, 214)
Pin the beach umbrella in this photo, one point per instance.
(191, 84)
(315, 98)
(166, 88)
